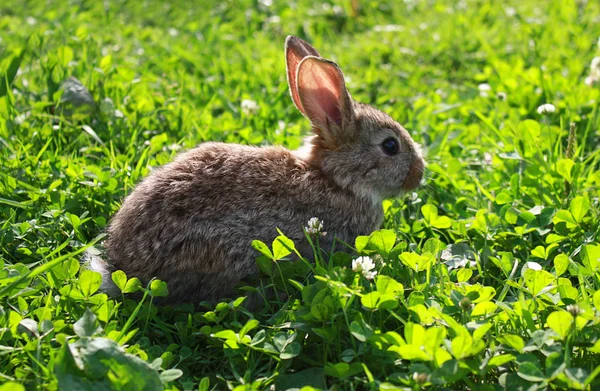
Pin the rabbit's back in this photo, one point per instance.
(192, 222)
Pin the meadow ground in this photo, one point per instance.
(488, 275)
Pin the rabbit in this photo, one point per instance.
(191, 223)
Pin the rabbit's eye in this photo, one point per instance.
(390, 146)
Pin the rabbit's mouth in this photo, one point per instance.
(415, 175)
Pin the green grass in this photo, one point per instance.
(488, 275)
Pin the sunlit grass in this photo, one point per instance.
(487, 275)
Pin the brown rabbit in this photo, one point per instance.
(191, 223)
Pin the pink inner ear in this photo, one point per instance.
(296, 49)
(321, 91)
(292, 64)
(327, 101)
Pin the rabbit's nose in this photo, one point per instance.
(415, 174)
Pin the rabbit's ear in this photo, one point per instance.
(295, 51)
(324, 96)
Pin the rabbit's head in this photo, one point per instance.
(357, 146)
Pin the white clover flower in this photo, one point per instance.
(249, 107)
(314, 226)
(484, 90)
(590, 81)
(546, 108)
(595, 64)
(488, 158)
(594, 75)
(365, 266)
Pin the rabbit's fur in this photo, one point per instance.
(191, 223)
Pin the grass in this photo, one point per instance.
(488, 275)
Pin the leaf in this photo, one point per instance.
(86, 325)
(358, 331)
(595, 348)
(382, 241)
(430, 212)
(577, 375)
(434, 337)
(421, 314)
(564, 216)
(554, 238)
(12, 386)
(511, 216)
(564, 167)
(371, 300)
(170, 374)
(539, 252)
(561, 322)
(89, 282)
(265, 264)
(204, 384)
(596, 300)
(290, 351)
(92, 133)
(591, 256)
(6, 290)
(282, 247)
(68, 374)
(500, 360)
(530, 129)
(555, 365)
(302, 380)
(348, 355)
(531, 372)
(29, 326)
(7, 78)
(561, 264)
(65, 55)
(120, 279)
(463, 274)
(262, 248)
(133, 285)
(442, 222)
(481, 331)
(250, 325)
(415, 261)
(226, 335)
(511, 340)
(158, 288)
(106, 63)
(342, 370)
(98, 357)
(485, 308)
(449, 372)
(411, 352)
(433, 246)
(320, 311)
(579, 207)
(505, 263)
(388, 286)
(536, 280)
(504, 197)
(461, 345)
(258, 338)
(414, 334)
(361, 243)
